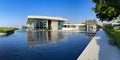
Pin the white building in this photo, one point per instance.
(45, 23)
(90, 25)
(80, 27)
(57, 23)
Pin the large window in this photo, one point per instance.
(82, 28)
(60, 25)
(40, 24)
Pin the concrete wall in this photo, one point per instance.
(54, 25)
(94, 28)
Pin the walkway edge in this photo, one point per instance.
(83, 55)
(100, 49)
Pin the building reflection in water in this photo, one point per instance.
(43, 37)
(90, 35)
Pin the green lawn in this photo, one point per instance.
(117, 30)
(7, 30)
(117, 37)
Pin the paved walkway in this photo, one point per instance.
(100, 49)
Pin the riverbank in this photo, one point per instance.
(100, 49)
(7, 30)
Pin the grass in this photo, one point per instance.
(117, 37)
(113, 34)
(117, 30)
(7, 30)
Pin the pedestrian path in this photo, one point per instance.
(100, 49)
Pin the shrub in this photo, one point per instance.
(113, 34)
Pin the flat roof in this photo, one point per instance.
(74, 24)
(32, 18)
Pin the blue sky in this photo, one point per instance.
(13, 13)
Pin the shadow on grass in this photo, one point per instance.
(107, 51)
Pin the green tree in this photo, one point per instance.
(107, 10)
(24, 27)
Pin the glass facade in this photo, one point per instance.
(90, 27)
(82, 28)
(40, 24)
(60, 25)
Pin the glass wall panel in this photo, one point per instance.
(60, 25)
(40, 24)
(82, 28)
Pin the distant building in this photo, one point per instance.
(91, 25)
(78, 27)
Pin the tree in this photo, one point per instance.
(23, 27)
(107, 10)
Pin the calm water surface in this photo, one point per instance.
(23, 45)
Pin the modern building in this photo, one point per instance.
(58, 23)
(45, 23)
(91, 25)
(80, 27)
